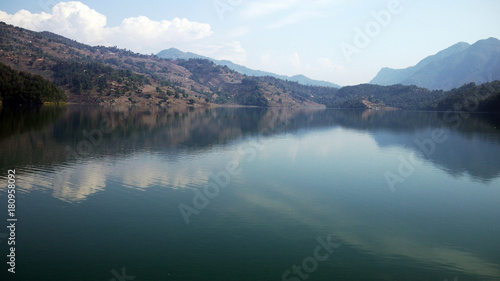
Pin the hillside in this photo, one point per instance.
(118, 77)
(112, 76)
(395, 96)
(174, 53)
(469, 97)
(21, 88)
(472, 97)
(451, 68)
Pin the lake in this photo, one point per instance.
(251, 194)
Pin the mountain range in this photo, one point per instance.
(451, 68)
(174, 53)
(33, 61)
(118, 77)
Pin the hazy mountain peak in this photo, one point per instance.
(299, 76)
(490, 39)
(174, 53)
(450, 68)
(487, 43)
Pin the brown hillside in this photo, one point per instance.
(118, 77)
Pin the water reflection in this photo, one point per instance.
(319, 173)
(19, 121)
(174, 133)
(168, 144)
(334, 196)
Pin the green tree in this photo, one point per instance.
(21, 88)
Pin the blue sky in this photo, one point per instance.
(345, 42)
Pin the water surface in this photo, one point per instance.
(248, 193)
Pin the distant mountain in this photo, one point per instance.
(174, 53)
(451, 68)
(389, 76)
(116, 77)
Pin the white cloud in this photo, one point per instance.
(295, 60)
(327, 65)
(325, 69)
(232, 51)
(24, 18)
(141, 33)
(218, 49)
(71, 19)
(79, 22)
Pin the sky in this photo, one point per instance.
(341, 41)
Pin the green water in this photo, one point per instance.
(251, 194)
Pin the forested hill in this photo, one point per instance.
(113, 76)
(395, 96)
(21, 88)
(470, 97)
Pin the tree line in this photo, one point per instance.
(21, 88)
(84, 77)
(485, 97)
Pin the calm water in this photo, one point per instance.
(251, 194)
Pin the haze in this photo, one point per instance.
(320, 39)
